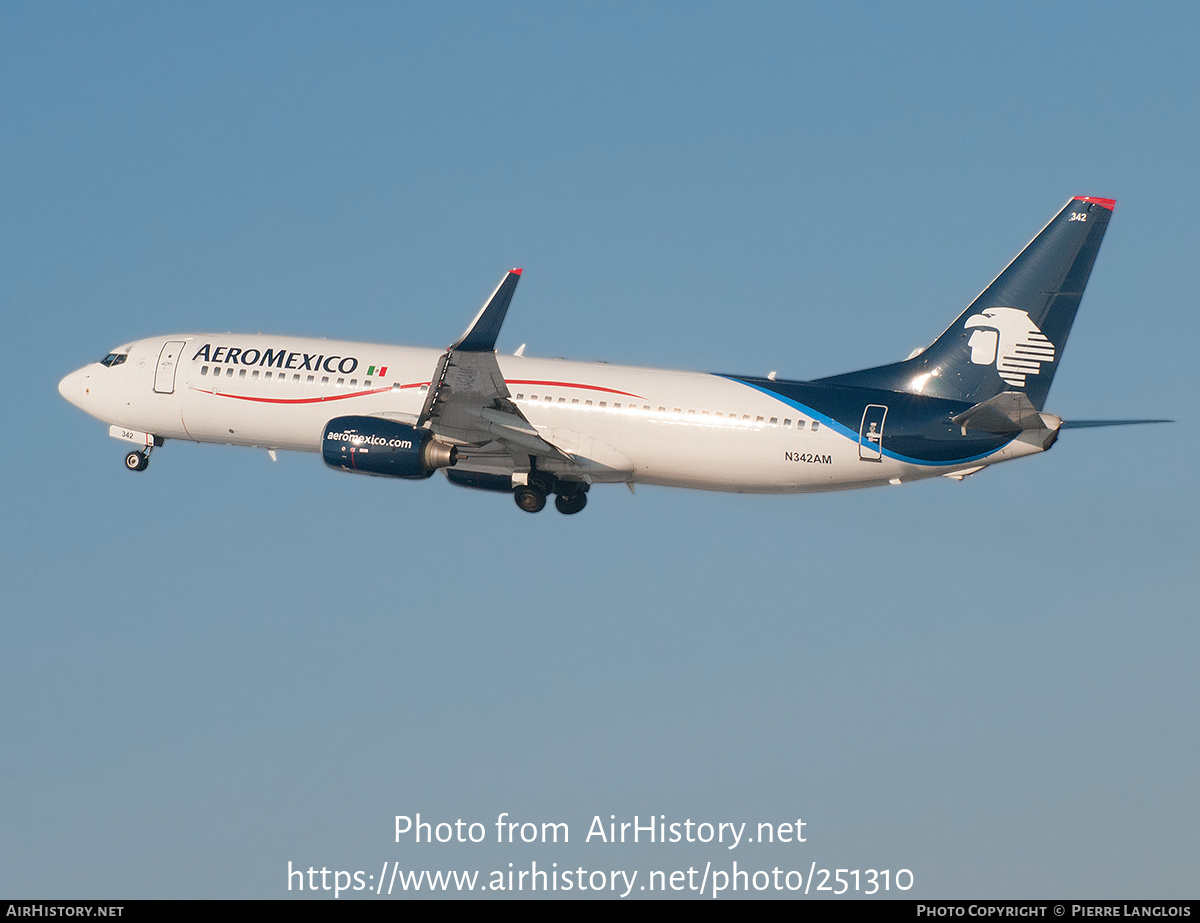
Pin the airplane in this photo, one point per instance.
(535, 427)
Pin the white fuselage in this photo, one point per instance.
(619, 424)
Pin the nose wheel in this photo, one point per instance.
(137, 461)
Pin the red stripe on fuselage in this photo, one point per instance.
(418, 384)
(568, 384)
(304, 400)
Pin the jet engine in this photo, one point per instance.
(385, 448)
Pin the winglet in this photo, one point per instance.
(483, 330)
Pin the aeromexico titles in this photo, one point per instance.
(536, 427)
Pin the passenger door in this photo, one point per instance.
(870, 434)
(168, 362)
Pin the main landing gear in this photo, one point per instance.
(570, 503)
(138, 461)
(571, 496)
(530, 499)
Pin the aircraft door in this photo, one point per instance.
(168, 362)
(870, 434)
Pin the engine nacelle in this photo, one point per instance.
(382, 447)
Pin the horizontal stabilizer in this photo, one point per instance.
(1007, 412)
(1088, 424)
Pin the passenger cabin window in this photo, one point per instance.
(114, 359)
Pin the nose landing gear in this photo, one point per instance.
(140, 459)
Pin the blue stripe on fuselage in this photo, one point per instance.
(842, 408)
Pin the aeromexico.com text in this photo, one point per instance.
(358, 439)
(280, 359)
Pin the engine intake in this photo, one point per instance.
(384, 448)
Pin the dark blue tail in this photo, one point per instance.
(1013, 335)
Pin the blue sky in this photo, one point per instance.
(226, 664)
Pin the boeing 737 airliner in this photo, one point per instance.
(535, 427)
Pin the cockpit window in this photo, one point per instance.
(114, 359)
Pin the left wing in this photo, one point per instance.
(468, 400)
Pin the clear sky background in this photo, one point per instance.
(226, 664)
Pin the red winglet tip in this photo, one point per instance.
(515, 272)
(1110, 204)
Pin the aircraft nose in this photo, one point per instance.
(71, 387)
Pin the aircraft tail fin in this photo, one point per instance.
(1012, 335)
